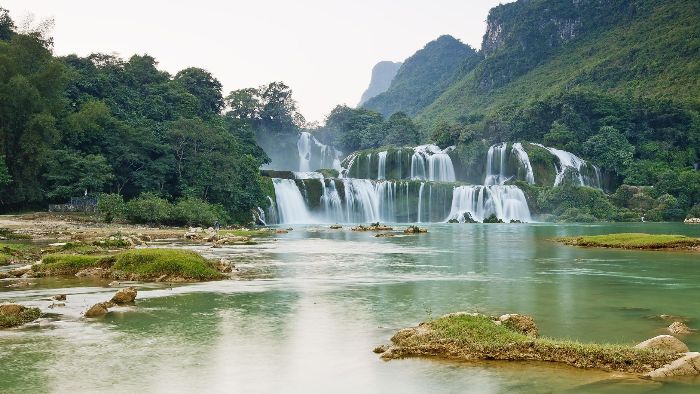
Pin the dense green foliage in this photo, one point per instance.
(102, 124)
(352, 129)
(149, 208)
(424, 76)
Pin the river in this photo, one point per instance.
(310, 306)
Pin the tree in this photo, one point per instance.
(401, 131)
(71, 173)
(7, 25)
(207, 89)
(609, 149)
(560, 137)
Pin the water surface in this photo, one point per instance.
(311, 305)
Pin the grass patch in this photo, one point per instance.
(11, 253)
(149, 264)
(69, 264)
(10, 234)
(478, 337)
(634, 241)
(19, 315)
(246, 233)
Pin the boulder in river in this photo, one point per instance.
(13, 315)
(678, 327)
(124, 296)
(665, 344)
(59, 297)
(688, 365)
(98, 310)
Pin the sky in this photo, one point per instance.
(323, 49)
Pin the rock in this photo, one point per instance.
(336, 227)
(415, 230)
(196, 230)
(665, 344)
(57, 305)
(224, 266)
(290, 229)
(191, 235)
(5, 275)
(380, 349)
(678, 328)
(11, 309)
(125, 296)
(161, 278)
(94, 272)
(234, 240)
(281, 232)
(688, 365)
(213, 238)
(17, 272)
(523, 324)
(113, 284)
(384, 235)
(59, 297)
(13, 315)
(98, 310)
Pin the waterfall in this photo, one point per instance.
(381, 172)
(326, 157)
(417, 165)
(437, 161)
(570, 162)
(420, 201)
(291, 207)
(524, 161)
(496, 172)
(506, 202)
(304, 147)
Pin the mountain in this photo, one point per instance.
(535, 49)
(382, 74)
(424, 76)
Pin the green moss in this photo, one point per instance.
(478, 337)
(634, 241)
(12, 253)
(148, 264)
(26, 315)
(268, 189)
(69, 264)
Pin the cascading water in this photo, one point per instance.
(327, 156)
(524, 160)
(438, 163)
(506, 202)
(381, 172)
(291, 207)
(569, 162)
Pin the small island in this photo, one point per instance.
(514, 337)
(635, 241)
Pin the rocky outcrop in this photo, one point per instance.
(94, 273)
(415, 230)
(665, 344)
(382, 74)
(688, 365)
(678, 327)
(336, 227)
(98, 310)
(125, 296)
(13, 315)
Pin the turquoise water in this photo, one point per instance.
(309, 306)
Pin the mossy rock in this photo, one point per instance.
(13, 315)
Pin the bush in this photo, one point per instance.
(148, 208)
(587, 202)
(145, 264)
(194, 211)
(111, 206)
(694, 212)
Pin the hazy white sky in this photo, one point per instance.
(323, 49)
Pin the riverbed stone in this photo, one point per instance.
(523, 324)
(60, 297)
(678, 327)
(94, 272)
(98, 310)
(664, 343)
(125, 296)
(688, 365)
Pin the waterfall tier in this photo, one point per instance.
(425, 162)
(351, 200)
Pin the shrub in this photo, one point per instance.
(148, 208)
(694, 212)
(111, 206)
(194, 211)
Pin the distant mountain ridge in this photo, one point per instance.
(382, 75)
(425, 76)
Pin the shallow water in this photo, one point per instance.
(311, 306)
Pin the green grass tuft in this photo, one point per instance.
(147, 264)
(69, 264)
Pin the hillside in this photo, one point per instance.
(424, 76)
(538, 49)
(382, 75)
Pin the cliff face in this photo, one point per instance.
(382, 75)
(424, 76)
